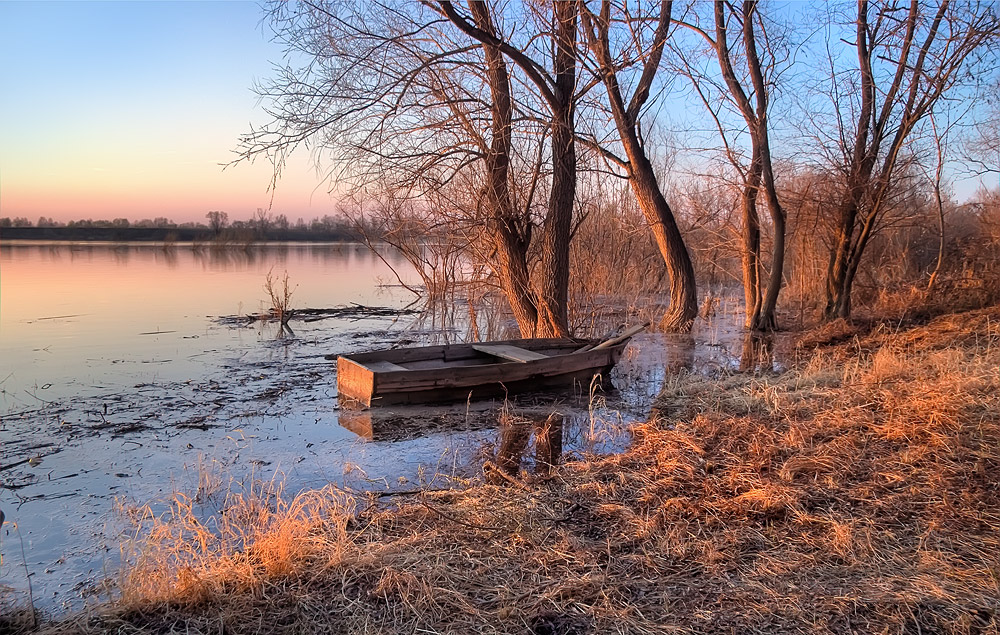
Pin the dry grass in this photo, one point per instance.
(858, 493)
(17, 617)
(260, 536)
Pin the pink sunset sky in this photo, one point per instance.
(131, 109)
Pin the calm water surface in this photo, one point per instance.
(77, 319)
(120, 385)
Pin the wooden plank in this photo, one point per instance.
(487, 390)
(382, 366)
(450, 352)
(624, 337)
(492, 373)
(513, 353)
(354, 382)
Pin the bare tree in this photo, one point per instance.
(261, 221)
(408, 106)
(747, 90)
(940, 136)
(557, 90)
(217, 221)
(610, 66)
(909, 57)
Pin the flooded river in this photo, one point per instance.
(129, 373)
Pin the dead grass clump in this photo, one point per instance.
(16, 618)
(280, 296)
(959, 291)
(910, 429)
(258, 537)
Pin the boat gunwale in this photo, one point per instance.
(463, 351)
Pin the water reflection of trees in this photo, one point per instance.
(538, 439)
(681, 353)
(167, 255)
(758, 353)
(225, 258)
(121, 254)
(458, 317)
(513, 446)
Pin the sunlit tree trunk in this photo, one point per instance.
(750, 251)
(642, 178)
(683, 308)
(553, 301)
(508, 239)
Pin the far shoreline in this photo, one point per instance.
(172, 235)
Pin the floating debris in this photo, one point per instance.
(355, 311)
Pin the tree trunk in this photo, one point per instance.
(683, 307)
(750, 252)
(768, 319)
(836, 273)
(512, 271)
(553, 319)
(683, 290)
(508, 241)
(760, 306)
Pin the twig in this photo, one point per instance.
(27, 576)
(489, 467)
(4, 468)
(458, 520)
(413, 492)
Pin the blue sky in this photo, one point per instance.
(128, 109)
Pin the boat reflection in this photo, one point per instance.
(402, 423)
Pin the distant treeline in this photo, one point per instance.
(178, 234)
(220, 231)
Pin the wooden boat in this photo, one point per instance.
(459, 372)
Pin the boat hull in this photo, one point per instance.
(460, 372)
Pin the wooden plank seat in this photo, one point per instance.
(512, 353)
(382, 366)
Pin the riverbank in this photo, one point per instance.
(855, 492)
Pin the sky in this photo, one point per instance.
(130, 109)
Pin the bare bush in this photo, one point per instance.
(280, 295)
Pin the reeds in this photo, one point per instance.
(859, 492)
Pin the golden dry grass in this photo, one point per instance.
(859, 492)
